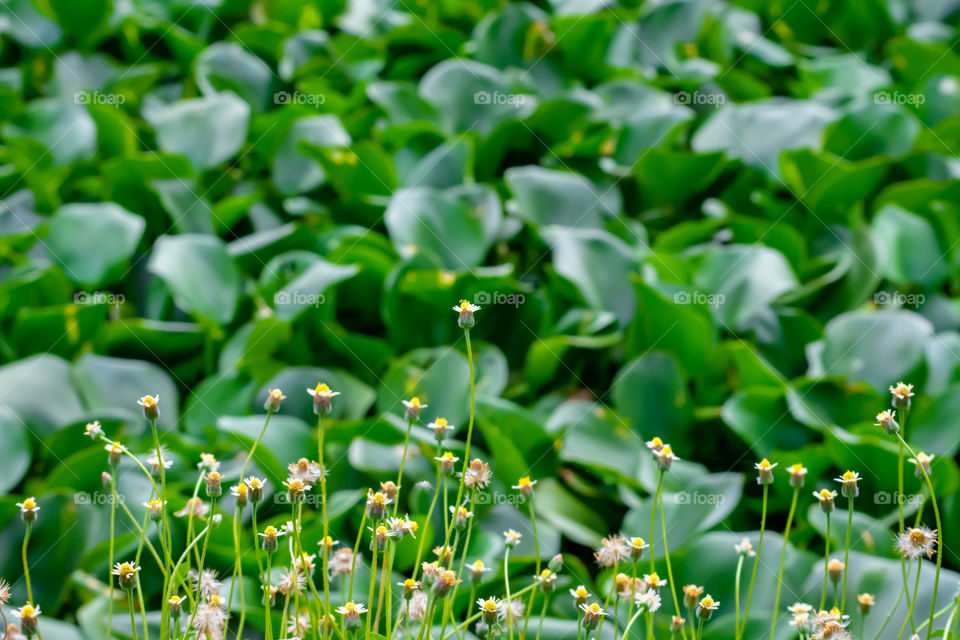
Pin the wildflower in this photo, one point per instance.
(745, 548)
(580, 595)
(341, 562)
(677, 623)
(446, 580)
(886, 420)
(546, 580)
(623, 584)
(296, 488)
(797, 473)
(447, 460)
(636, 546)
(292, 582)
(648, 600)
(274, 398)
(556, 563)
(917, 541)
(126, 573)
(825, 496)
(511, 538)
(150, 409)
(270, 535)
(921, 463)
(525, 486)
(210, 619)
(655, 445)
(478, 475)
(414, 407)
(195, 507)
(213, 484)
(460, 516)
(901, 395)
(831, 631)
(304, 562)
(410, 586)
(592, 614)
(115, 452)
(416, 607)
(4, 591)
(764, 471)
(665, 458)
(175, 604)
(848, 484)
(466, 311)
(706, 607)
(440, 428)
(377, 505)
(322, 397)
(477, 569)
(299, 622)
(327, 543)
(691, 595)
(208, 462)
(304, 469)
(444, 554)
(159, 462)
(430, 571)
(866, 601)
(653, 581)
(835, 570)
(155, 507)
(380, 536)
(29, 509)
(424, 485)
(800, 607)
(256, 488)
(612, 550)
(512, 611)
(28, 615)
(269, 595)
(240, 491)
(93, 430)
(206, 581)
(489, 610)
(802, 621)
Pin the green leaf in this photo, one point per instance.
(209, 130)
(76, 228)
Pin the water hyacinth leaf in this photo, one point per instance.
(208, 130)
(226, 66)
(26, 387)
(113, 385)
(15, 455)
(68, 134)
(199, 273)
(911, 252)
(547, 197)
(651, 393)
(76, 227)
(295, 172)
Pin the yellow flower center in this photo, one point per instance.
(545, 574)
(255, 483)
(440, 422)
(242, 489)
(447, 455)
(594, 608)
(489, 605)
(464, 305)
(382, 531)
(764, 464)
(524, 482)
(797, 468)
(653, 577)
(849, 475)
(350, 607)
(378, 499)
(917, 536)
(666, 450)
(834, 611)
(706, 602)
(29, 503)
(478, 564)
(148, 401)
(409, 583)
(415, 401)
(657, 441)
(825, 494)
(270, 531)
(27, 611)
(638, 542)
(322, 388)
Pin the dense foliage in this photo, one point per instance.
(729, 225)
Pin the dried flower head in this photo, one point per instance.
(835, 569)
(195, 507)
(613, 550)
(866, 601)
(341, 563)
(4, 591)
(478, 475)
(691, 595)
(306, 470)
(416, 607)
(916, 542)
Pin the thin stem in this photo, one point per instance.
(783, 555)
(846, 555)
(913, 600)
(736, 598)
(26, 565)
(756, 558)
(373, 581)
(506, 585)
(356, 550)
(321, 432)
(403, 460)
(113, 520)
(267, 589)
(133, 617)
(426, 520)
(666, 556)
(143, 611)
(536, 548)
(466, 452)
(653, 516)
(543, 614)
(613, 587)
(826, 560)
(626, 631)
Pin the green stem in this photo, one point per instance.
(826, 560)
(736, 598)
(26, 565)
(666, 556)
(916, 583)
(133, 617)
(613, 587)
(113, 520)
(143, 611)
(756, 558)
(846, 555)
(356, 550)
(543, 614)
(466, 453)
(426, 521)
(321, 432)
(506, 584)
(264, 580)
(373, 581)
(626, 631)
(403, 460)
(267, 588)
(783, 555)
(536, 548)
(653, 516)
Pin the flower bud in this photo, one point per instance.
(274, 398)
(150, 409)
(213, 484)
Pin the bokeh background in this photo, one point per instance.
(729, 224)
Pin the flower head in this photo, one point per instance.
(917, 541)
(546, 580)
(414, 407)
(797, 472)
(115, 452)
(296, 489)
(835, 569)
(270, 535)
(4, 591)
(511, 538)
(241, 492)
(592, 614)
(126, 573)
(489, 609)
(655, 445)
(466, 309)
(322, 397)
(155, 508)
(764, 471)
(866, 601)
(706, 607)
(886, 419)
(274, 398)
(410, 586)
(478, 475)
(29, 509)
(648, 600)
(636, 546)
(377, 505)
(613, 550)
(901, 395)
(351, 612)
(214, 480)
(665, 458)
(28, 615)
(447, 462)
(445, 581)
(525, 485)
(825, 496)
(580, 595)
(93, 430)
(208, 462)
(848, 484)
(440, 428)
(921, 464)
(691, 595)
(653, 581)
(745, 548)
(150, 409)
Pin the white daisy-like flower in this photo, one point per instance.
(917, 541)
